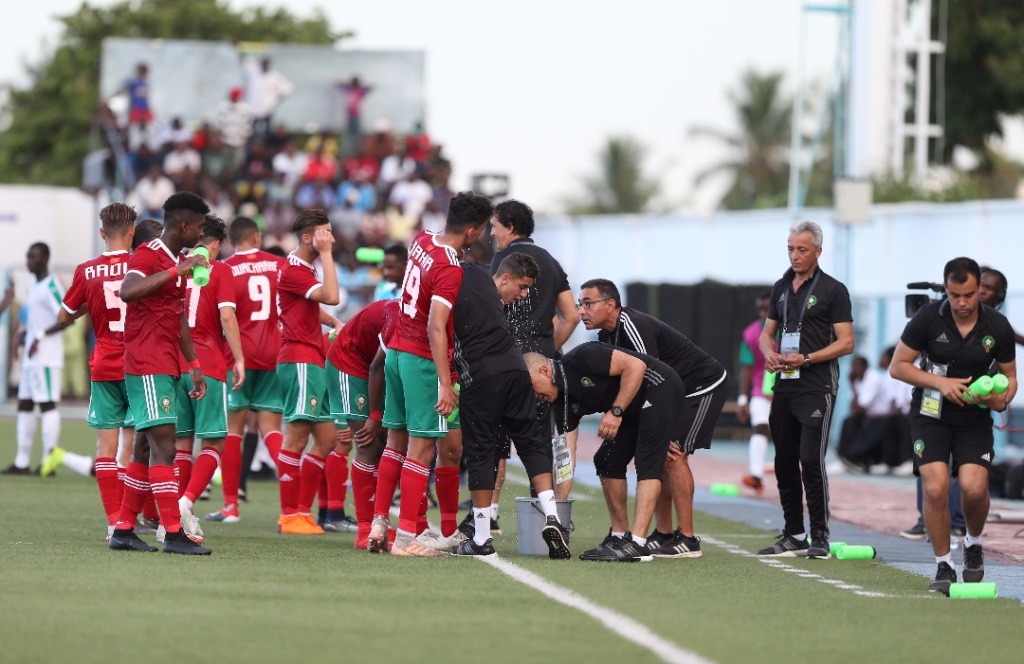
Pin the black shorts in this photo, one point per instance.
(700, 415)
(965, 440)
(504, 401)
(544, 428)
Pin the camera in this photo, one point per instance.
(913, 302)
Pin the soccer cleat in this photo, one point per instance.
(677, 545)
(786, 546)
(555, 537)
(752, 482)
(618, 550)
(468, 525)
(127, 540)
(361, 536)
(345, 524)
(161, 534)
(917, 532)
(657, 538)
(945, 576)
(205, 495)
(443, 543)
(227, 514)
(15, 470)
(53, 461)
(189, 521)
(407, 546)
(242, 495)
(819, 547)
(299, 524)
(974, 564)
(377, 540)
(184, 544)
(470, 548)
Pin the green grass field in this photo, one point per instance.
(262, 597)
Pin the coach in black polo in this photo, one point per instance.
(960, 340)
(811, 319)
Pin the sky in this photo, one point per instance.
(534, 88)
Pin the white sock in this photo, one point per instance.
(482, 523)
(948, 559)
(547, 503)
(971, 540)
(79, 463)
(619, 534)
(51, 430)
(494, 510)
(642, 541)
(802, 537)
(757, 451)
(185, 503)
(27, 425)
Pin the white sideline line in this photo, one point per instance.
(621, 624)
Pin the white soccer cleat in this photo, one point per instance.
(189, 521)
(439, 543)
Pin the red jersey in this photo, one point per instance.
(360, 339)
(301, 339)
(255, 278)
(202, 307)
(152, 325)
(432, 274)
(97, 285)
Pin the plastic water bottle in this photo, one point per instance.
(201, 273)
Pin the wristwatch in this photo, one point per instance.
(807, 360)
(616, 411)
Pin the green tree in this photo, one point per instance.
(49, 132)
(620, 185)
(758, 146)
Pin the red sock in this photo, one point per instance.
(415, 477)
(323, 491)
(336, 473)
(149, 506)
(165, 493)
(182, 470)
(421, 518)
(446, 483)
(273, 441)
(206, 466)
(120, 484)
(311, 474)
(388, 473)
(136, 490)
(106, 479)
(288, 480)
(363, 486)
(231, 468)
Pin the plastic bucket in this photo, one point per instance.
(530, 521)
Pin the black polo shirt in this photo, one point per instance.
(933, 332)
(585, 386)
(646, 334)
(530, 319)
(827, 303)
(483, 345)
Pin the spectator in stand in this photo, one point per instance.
(883, 443)
(320, 164)
(277, 139)
(143, 135)
(201, 138)
(267, 88)
(137, 89)
(418, 144)
(316, 193)
(440, 172)
(356, 198)
(151, 192)
(865, 386)
(278, 223)
(259, 161)
(277, 190)
(173, 133)
(411, 195)
(354, 93)
(291, 163)
(250, 189)
(234, 120)
(217, 158)
(143, 159)
(323, 142)
(393, 169)
(363, 165)
(179, 160)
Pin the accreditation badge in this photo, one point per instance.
(790, 344)
(931, 399)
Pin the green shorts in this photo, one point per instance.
(108, 405)
(205, 418)
(304, 387)
(152, 399)
(349, 395)
(410, 394)
(259, 392)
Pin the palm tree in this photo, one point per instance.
(620, 186)
(758, 162)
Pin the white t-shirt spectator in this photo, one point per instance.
(292, 166)
(266, 89)
(234, 119)
(152, 193)
(873, 395)
(177, 160)
(395, 168)
(412, 197)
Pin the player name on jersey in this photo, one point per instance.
(254, 267)
(420, 257)
(106, 270)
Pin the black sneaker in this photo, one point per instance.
(676, 545)
(471, 548)
(944, 578)
(786, 546)
(495, 528)
(468, 525)
(819, 547)
(127, 540)
(656, 539)
(557, 540)
(915, 533)
(242, 495)
(15, 470)
(618, 550)
(180, 542)
(345, 524)
(974, 563)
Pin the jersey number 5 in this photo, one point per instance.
(112, 299)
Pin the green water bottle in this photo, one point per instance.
(455, 412)
(1000, 383)
(768, 384)
(201, 273)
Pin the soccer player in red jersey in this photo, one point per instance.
(155, 328)
(419, 390)
(94, 289)
(211, 317)
(300, 370)
(255, 279)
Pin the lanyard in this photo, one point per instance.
(803, 309)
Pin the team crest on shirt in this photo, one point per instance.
(586, 382)
(919, 447)
(361, 402)
(988, 342)
(165, 403)
(312, 404)
(811, 301)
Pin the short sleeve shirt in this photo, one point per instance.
(202, 309)
(152, 327)
(531, 319)
(483, 345)
(97, 286)
(43, 305)
(255, 280)
(301, 339)
(357, 344)
(432, 274)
